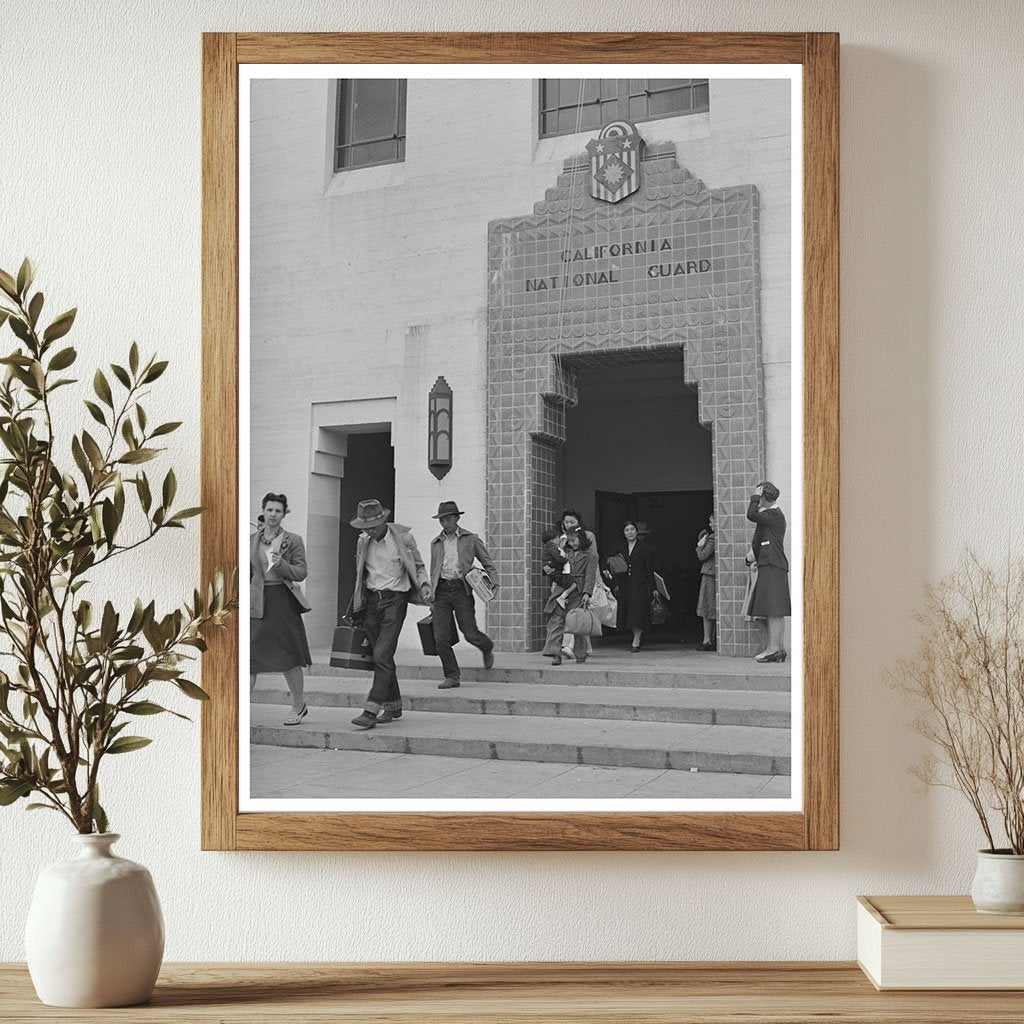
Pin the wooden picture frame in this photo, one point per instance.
(816, 826)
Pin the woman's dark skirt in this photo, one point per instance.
(770, 599)
(634, 597)
(277, 642)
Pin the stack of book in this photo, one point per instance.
(938, 942)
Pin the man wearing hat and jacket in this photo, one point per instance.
(389, 576)
(452, 554)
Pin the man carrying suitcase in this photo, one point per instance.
(452, 554)
(390, 576)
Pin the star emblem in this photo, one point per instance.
(613, 173)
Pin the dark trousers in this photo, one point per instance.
(385, 613)
(452, 598)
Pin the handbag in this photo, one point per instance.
(582, 622)
(659, 609)
(604, 605)
(428, 642)
(351, 647)
(617, 565)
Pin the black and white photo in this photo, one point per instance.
(522, 369)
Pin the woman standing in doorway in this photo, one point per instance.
(277, 638)
(707, 598)
(770, 599)
(631, 566)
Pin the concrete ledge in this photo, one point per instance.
(593, 674)
(736, 749)
(637, 704)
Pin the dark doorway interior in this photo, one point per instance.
(675, 519)
(369, 473)
(635, 449)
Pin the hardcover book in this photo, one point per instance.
(938, 942)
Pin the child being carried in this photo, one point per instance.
(553, 567)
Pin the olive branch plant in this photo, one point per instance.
(966, 682)
(79, 673)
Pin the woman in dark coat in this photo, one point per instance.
(277, 638)
(770, 599)
(634, 584)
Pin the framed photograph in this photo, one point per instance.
(521, 401)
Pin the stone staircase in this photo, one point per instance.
(675, 709)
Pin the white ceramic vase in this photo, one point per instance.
(999, 883)
(95, 933)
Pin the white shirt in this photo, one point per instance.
(450, 565)
(385, 569)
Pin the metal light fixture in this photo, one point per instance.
(439, 429)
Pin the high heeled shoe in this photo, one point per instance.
(764, 657)
(297, 716)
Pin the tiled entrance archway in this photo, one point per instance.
(673, 266)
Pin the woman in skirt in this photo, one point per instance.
(277, 638)
(707, 598)
(770, 599)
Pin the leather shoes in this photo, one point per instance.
(388, 716)
(449, 684)
(365, 721)
(488, 659)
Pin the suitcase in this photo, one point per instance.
(351, 648)
(426, 630)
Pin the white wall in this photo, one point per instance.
(100, 183)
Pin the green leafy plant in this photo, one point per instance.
(966, 683)
(79, 673)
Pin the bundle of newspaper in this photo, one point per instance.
(481, 584)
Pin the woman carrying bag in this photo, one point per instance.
(631, 566)
(580, 581)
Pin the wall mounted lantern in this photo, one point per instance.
(439, 429)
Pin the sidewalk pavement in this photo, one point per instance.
(292, 773)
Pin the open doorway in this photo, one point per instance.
(673, 520)
(635, 449)
(369, 473)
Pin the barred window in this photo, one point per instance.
(614, 99)
(371, 122)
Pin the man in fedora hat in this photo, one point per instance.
(452, 553)
(389, 575)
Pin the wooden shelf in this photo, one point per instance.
(664, 993)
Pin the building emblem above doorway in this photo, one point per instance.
(615, 161)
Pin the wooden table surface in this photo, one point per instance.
(837, 993)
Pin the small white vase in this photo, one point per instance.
(999, 883)
(95, 934)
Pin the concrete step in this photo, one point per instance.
(685, 671)
(707, 748)
(621, 703)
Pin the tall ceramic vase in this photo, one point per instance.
(95, 934)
